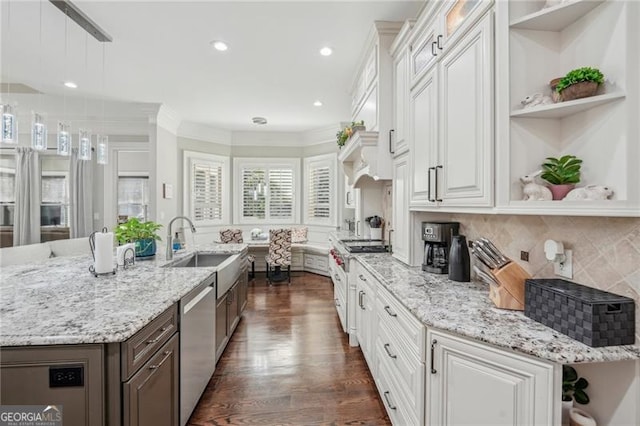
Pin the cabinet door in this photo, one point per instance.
(400, 238)
(349, 201)
(157, 380)
(242, 291)
(471, 383)
(400, 95)
(424, 138)
(424, 53)
(221, 325)
(232, 310)
(465, 164)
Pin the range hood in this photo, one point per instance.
(365, 155)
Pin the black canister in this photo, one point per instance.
(459, 261)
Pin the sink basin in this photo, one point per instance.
(201, 260)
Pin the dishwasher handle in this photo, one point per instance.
(196, 299)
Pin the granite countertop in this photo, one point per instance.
(58, 301)
(465, 309)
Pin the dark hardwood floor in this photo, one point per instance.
(289, 363)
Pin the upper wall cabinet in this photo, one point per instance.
(400, 54)
(370, 153)
(603, 130)
(451, 109)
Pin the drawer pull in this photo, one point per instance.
(360, 302)
(167, 354)
(433, 356)
(386, 348)
(389, 404)
(393, 314)
(362, 278)
(337, 278)
(151, 341)
(337, 302)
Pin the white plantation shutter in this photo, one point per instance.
(206, 184)
(281, 193)
(320, 203)
(207, 191)
(253, 193)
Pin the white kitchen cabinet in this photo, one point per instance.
(400, 53)
(473, 383)
(451, 122)
(350, 194)
(537, 45)
(400, 236)
(366, 320)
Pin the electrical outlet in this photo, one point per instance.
(524, 255)
(66, 376)
(565, 269)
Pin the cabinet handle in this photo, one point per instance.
(386, 397)
(357, 228)
(348, 201)
(391, 151)
(386, 348)
(431, 200)
(436, 168)
(433, 355)
(150, 341)
(362, 278)
(337, 278)
(438, 41)
(361, 300)
(433, 49)
(167, 354)
(386, 308)
(337, 302)
(390, 243)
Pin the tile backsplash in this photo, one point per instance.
(606, 250)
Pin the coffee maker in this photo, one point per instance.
(437, 242)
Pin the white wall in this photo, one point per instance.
(166, 172)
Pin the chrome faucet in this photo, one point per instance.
(169, 233)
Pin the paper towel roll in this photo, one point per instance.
(104, 252)
(578, 417)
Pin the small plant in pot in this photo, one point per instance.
(343, 135)
(579, 83)
(143, 234)
(562, 174)
(573, 389)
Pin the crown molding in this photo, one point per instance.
(168, 119)
(202, 132)
(320, 135)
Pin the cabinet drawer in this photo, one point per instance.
(401, 323)
(408, 371)
(392, 397)
(340, 301)
(141, 346)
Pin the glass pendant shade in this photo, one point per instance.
(9, 124)
(84, 144)
(63, 141)
(38, 132)
(102, 149)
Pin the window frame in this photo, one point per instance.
(324, 160)
(133, 175)
(66, 206)
(239, 163)
(189, 159)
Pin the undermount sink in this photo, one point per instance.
(201, 260)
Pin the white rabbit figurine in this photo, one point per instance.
(535, 100)
(533, 191)
(590, 192)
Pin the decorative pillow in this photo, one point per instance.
(231, 236)
(299, 235)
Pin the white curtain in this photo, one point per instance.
(26, 222)
(81, 187)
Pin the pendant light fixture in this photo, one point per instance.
(63, 140)
(38, 120)
(84, 135)
(9, 125)
(102, 140)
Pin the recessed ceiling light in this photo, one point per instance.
(317, 103)
(259, 120)
(219, 45)
(70, 85)
(326, 51)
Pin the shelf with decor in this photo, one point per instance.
(546, 45)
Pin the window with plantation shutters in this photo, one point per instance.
(319, 206)
(268, 190)
(207, 196)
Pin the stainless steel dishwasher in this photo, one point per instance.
(197, 344)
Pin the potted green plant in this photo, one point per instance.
(142, 234)
(579, 83)
(343, 135)
(573, 389)
(562, 174)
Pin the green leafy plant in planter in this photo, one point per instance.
(562, 173)
(573, 386)
(143, 234)
(579, 83)
(343, 135)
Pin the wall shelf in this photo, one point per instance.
(565, 109)
(556, 18)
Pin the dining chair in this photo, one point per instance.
(234, 236)
(279, 254)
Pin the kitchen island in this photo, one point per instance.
(85, 341)
(441, 352)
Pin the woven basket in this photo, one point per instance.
(584, 89)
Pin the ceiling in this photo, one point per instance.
(161, 54)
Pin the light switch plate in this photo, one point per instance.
(565, 269)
